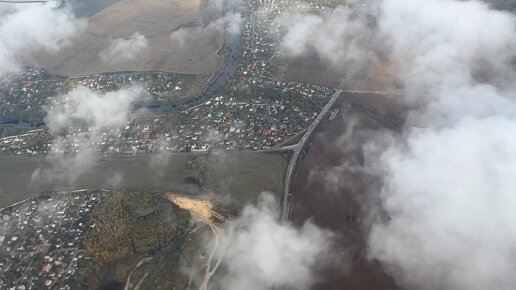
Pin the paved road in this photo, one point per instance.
(295, 156)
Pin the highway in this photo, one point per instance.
(295, 156)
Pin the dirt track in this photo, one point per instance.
(201, 210)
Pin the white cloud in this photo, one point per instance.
(449, 183)
(230, 23)
(263, 253)
(233, 21)
(449, 178)
(338, 35)
(452, 48)
(28, 28)
(450, 196)
(125, 49)
(98, 110)
(94, 113)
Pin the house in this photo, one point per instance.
(46, 267)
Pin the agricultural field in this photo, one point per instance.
(155, 21)
(240, 177)
(232, 176)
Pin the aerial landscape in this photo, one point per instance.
(258, 144)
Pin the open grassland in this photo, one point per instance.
(155, 20)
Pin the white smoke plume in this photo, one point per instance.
(263, 253)
(92, 113)
(449, 182)
(125, 49)
(29, 28)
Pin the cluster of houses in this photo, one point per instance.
(34, 142)
(256, 124)
(41, 240)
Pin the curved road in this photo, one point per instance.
(295, 156)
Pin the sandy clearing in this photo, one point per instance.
(200, 206)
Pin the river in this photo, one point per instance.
(234, 41)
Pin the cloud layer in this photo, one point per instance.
(449, 178)
(265, 254)
(449, 183)
(29, 28)
(339, 36)
(90, 114)
(449, 194)
(125, 49)
(229, 22)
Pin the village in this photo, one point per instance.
(41, 239)
(255, 109)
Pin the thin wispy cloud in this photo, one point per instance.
(125, 49)
(92, 113)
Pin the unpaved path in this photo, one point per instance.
(127, 282)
